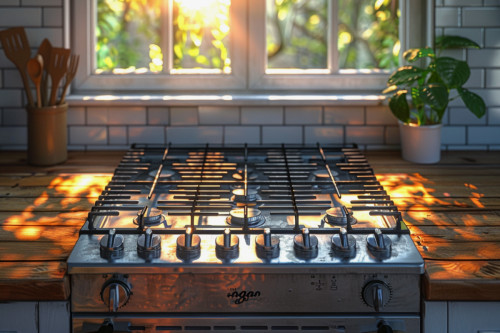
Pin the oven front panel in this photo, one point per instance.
(255, 293)
(251, 323)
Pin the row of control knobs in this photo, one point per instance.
(227, 245)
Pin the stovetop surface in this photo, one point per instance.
(285, 192)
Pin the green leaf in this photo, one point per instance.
(455, 42)
(412, 55)
(453, 72)
(434, 95)
(405, 75)
(390, 89)
(473, 102)
(399, 106)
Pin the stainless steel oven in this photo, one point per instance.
(245, 238)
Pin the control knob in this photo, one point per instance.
(115, 293)
(111, 246)
(149, 245)
(267, 246)
(188, 246)
(379, 244)
(384, 327)
(305, 245)
(376, 294)
(344, 245)
(227, 246)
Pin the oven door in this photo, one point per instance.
(246, 323)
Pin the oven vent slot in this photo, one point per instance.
(284, 328)
(244, 328)
(169, 328)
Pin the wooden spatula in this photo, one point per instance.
(44, 52)
(16, 48)
(57, 68)
(70, 75)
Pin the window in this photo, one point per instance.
(240, 45)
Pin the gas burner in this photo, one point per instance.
(240, 174)
(155, 217)
(322, 175)
(339, 216)
(249, 187)
(165, 174)
(254, 217)
(239, 196)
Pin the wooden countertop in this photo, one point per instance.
(452, 209)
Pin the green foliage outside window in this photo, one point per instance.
(129, 35)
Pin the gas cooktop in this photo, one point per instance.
(243, 205)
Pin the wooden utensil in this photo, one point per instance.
(44, 51)
(57, 68)
(16, 47)
(35, 71)
(70, 75)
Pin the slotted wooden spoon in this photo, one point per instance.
(70, 75)
(57, 68)
(16, 48)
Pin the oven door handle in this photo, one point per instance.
(107, 327)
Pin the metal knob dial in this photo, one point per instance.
(305, 245)
(111, 246)
(115, 293)
(227, 246)
(188, 246)
(376, 294)
(384, 327)
(344, 245)
(379, 244)
(267, 246)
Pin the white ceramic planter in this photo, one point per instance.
(420, 144)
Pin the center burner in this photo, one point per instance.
(339, 216)
(253, 217)
(154, 217)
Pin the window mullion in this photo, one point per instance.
(333, 23)
(166, 35)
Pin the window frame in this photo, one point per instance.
(248, 74)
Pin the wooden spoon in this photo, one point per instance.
(70, 75)
(44, 51)
(16, 47)
(58, 66)
(35, 71)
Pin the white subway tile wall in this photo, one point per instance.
(117, 125)
(281, 134)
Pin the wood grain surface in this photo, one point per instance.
(451, 208)
(41, 211)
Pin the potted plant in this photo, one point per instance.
(429, 88)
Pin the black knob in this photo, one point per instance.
(188, 246)
(379, 244)
(305, 245)
(267, 246)
(376, 294)
(384, 327)
(108, 326)
(227, 246)
(149, 245)
(343, 244)
(111, 246)
(115, 293)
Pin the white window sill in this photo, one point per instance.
(225, 99)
